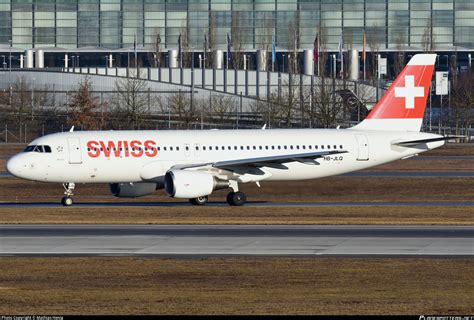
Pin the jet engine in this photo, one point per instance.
(128, 190)
(192, 184)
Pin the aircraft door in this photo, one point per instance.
(75, 154)
(363, 147)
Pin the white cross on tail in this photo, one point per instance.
(409, 92)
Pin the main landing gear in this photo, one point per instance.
(68, 193)
(234, 198)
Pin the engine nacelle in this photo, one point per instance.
(192, 184)
(127, 190)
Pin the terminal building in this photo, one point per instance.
(95, 33)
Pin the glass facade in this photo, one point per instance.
(115, 24)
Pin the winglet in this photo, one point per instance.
(264, 126)
(72, 129)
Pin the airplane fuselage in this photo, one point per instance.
(138, 156)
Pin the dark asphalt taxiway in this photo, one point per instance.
(252, 240)
(114, 204)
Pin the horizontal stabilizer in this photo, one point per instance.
(421, 141)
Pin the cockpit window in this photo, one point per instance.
(38, 148)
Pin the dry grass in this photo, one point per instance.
(236, 286)
(245, 215)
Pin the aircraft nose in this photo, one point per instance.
(14, 166)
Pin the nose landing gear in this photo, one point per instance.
(68, 193)
(199, 201)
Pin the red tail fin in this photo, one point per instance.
(403, 105)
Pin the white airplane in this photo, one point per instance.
(192, 164)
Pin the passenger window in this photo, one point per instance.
(279, 147)
(335, 147)
(187, 148)
(284, 147)
(298, 147)
(204, 148)
(322, 146)
(210, 148)
(254, 147)
(241, 147)
(266, 147)
(273, 147)
(235, 147)
(291, 147)
(340, 147)
(248, 147)
(329, 147)
(177, 148)
(171, 148)
(229, 148)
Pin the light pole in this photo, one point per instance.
(32, 98)
(10, 64)
(4, 62)
(447, 61)
(73, 58)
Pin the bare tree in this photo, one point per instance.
(323, 106)
(264, 35)
(18, 102)
(180, 107)
(462, 100)
(293, 43)
(222, 108)
(212, 41)
(157, 47)
(427, 38)
(238, 39)
(83, 107)
(373, 42)
(399, 60)
(185, 45)
(131, 100)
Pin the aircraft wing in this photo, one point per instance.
(268, 161)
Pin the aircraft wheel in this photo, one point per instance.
(199, 201)
(67, 201)
(236, 198)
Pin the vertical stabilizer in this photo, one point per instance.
(403, 105)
